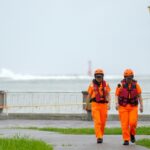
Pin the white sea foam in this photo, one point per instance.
(6, 73)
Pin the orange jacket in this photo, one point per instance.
(92, 93)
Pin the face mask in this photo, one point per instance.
(128, 79)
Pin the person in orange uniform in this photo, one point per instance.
(128, 95)
(99, 96)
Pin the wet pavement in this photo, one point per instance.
(60, 123)
(73, 142)
(68, 142)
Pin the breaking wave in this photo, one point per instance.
(8, 74)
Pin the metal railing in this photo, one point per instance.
(54, 102)
(44, 102)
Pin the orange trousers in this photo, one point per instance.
(99, 115)
(128, 117)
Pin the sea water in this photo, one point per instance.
(18, 92)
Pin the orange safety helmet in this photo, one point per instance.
(128, 73)
(99, 71)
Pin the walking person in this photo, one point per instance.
(99, 96)
(128, 95)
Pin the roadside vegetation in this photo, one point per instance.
(22, 143)
(108, 131)
(144, 142)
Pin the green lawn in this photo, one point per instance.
(108, 131)
(18, 143)
(144, 142)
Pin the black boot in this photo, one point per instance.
(126, 143)
(99, 140)
(132, 138)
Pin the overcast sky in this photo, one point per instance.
(61, 36)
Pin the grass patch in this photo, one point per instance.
(19, 143)
(66, 130)
(108, 131)
(144, 142)
(143, 130)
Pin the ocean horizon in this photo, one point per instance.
(72, 83)
(51, 91)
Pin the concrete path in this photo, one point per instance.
(60, 123)
(73, 142)
(68, 142)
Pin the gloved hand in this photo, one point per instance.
(86, 108)
(108, 106)
(141, 108)
(117, 106)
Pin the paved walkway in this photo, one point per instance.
(68, 142)
(59, 123)
(73, 142)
